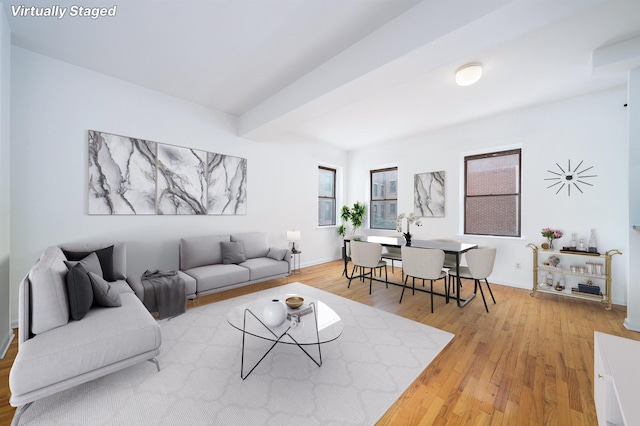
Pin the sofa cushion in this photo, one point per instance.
(232, 252)
(49, 301)
(255, 243)
(90, 263)
(105, 257)
(103, 293)
(104, 337)
(79, 290)
(121, 286)
(201, 251)
(277, 254)
(263, 267)
(212, 277)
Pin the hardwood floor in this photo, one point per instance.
(529, 361)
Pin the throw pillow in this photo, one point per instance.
(277, 254)
(232, 252)
(79, 291)
(103, 293)
(105, 257)
(90, 263)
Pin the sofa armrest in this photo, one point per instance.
(287, 258)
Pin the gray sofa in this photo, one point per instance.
(215, 264)
(55, 352)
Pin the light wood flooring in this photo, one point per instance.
(529, 361)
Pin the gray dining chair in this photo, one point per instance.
(480, 263)
(365, 256)
(425, 264)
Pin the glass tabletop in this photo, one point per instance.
(246, 318)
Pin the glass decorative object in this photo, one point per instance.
(593, 245)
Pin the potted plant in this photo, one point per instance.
(355, 215)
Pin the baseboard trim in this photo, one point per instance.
(6, 343)
(631, 325)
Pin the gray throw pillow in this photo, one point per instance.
(232, 252)
(90, 263)
(105, 257)
(277, 254)
(79, 291)
(103, 293)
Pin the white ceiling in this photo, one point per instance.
(346, 72)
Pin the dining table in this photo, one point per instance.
(448, 246)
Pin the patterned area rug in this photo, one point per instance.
(363, 373)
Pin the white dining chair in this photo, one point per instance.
(480, 263)
(393, 254)
(365, 256)
(425, 264)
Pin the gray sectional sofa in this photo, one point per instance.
(55, 352)
(221, 262)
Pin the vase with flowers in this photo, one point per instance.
(550, 235)
(411, 218)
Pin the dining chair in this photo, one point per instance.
(393, 254)
(480, 263)
(425, 264)
(365, 256)
(449, 259)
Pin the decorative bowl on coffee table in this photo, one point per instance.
(294, 302)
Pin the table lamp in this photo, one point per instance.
(293, 236)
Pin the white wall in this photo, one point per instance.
(53, 106)
(632, 321)
(5, 189)
(590, 128)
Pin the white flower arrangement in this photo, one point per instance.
(411, 218)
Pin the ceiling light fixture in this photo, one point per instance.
(468, 74)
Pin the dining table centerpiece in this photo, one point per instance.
(411, 218)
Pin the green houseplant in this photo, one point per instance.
(355, 215)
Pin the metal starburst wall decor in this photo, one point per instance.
(568, 178)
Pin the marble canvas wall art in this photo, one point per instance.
(227, 184)
(122, 175)
(135, 176)
(182, 184)
(428, 190)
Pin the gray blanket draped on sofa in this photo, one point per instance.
(164, 293)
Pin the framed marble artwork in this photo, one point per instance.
(227, 184)
(122, 175)
(129, 176)
(428, 194)
(182, 186)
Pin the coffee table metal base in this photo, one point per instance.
(278, 339)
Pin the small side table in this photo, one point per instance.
(295, 254)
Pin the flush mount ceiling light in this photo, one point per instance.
(468, 74)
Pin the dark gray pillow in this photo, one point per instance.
(103, 293)
(105, 257)
(277, 254)
(232, 252)
(90, 263)
(79, 291)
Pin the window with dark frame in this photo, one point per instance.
(384, 198)
(492, 193)
(326, 196)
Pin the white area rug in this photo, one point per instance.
(364, 372)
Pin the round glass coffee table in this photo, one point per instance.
(307, 327)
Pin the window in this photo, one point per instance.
(383, 198)
(326, 196)
(492, 193)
